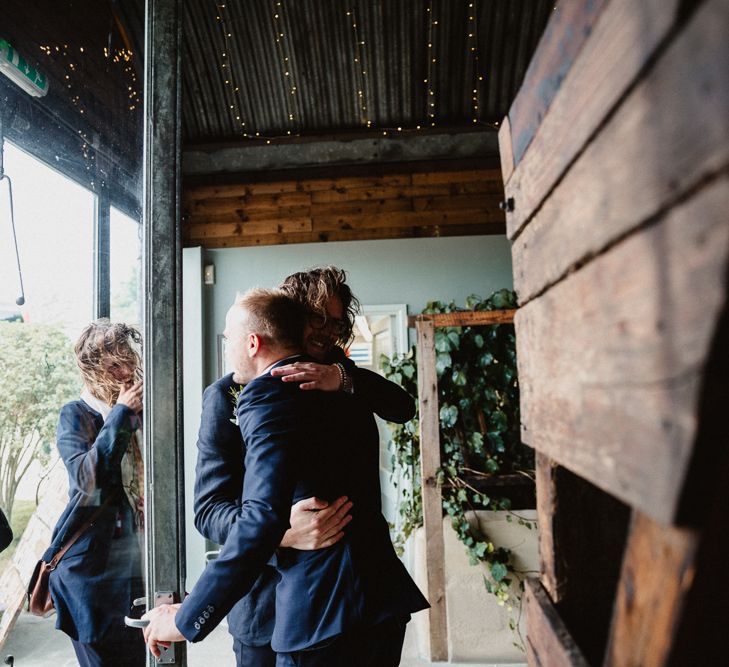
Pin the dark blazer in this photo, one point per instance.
(98, 577)
(300, 444)
(218, 496)
(220, 470)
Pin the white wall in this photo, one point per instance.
(412, 271)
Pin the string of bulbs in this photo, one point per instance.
(283, 50)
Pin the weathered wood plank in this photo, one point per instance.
(244, 240)
(582, 534)
(610, 359)
(434, 203)
(441, 177)
(304, 185)
(568, 29)
(210, 230)
(432, 507)
(506, 151)
(397, 192)
(468, 318)
(670, 138)
(548, 641)
(552, 570)
(192, 203)
(327, 223)
(658, 571)
(625, 36)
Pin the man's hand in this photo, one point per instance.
(161, 629)
(324, 377)
(316, 524)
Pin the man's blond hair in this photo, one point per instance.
(274, 316)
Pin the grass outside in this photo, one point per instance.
(22, 511)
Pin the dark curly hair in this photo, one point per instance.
(315, 287)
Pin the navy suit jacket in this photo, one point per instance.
(99, 576)
(218, 497)
(300, 444)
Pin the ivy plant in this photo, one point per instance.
(478, 393)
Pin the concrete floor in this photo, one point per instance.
(35, 642)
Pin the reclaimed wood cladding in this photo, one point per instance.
(447, 203)
(620, 244)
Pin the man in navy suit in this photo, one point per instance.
(346, 604)
(219, 475)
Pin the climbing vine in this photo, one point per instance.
(478, 393)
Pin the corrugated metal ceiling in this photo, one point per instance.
(275, 67)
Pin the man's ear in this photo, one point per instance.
(253, 344)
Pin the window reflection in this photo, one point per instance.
(74, 155)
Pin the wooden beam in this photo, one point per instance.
(624, 37)
(611, 359)
(247, 240)
(432, 506)
(658, 571)
(466, 318)
(548, 641)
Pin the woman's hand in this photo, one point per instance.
(324, 377)
(131, 396)
(316, 524)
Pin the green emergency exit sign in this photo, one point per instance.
(20, 72)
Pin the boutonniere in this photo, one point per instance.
(234, 393)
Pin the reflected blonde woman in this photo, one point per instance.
(99, 440)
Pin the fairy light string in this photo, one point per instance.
(284, 55)
(360, 70)
(430, 51)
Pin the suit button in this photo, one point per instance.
(206, 614)
(211, 609)
(202, 621)
(196, 626)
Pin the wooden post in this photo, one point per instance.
(432, 508)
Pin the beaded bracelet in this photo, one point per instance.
(345, 382)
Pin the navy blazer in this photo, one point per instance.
(220, 470)
(98, 577)
(218, 495)
(300, 444)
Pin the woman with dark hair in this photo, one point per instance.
(332, 308)
(99, 441)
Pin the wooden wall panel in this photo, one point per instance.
(563, 38)
(624, 37)
(548, 643)
(303, 210)
(658, 572)
(610, 359)
(669, 142)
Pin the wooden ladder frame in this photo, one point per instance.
(425, 326)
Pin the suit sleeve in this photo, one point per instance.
(93, 463)
(383, 397)
(219, 470)
(386, 399)
(269, 422)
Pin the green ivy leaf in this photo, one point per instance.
(448, 415)
(408, 370)
(498, 571)
(442, 361)
(455, 339)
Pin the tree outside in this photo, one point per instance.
(37, 376)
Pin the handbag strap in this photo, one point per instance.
(80, 531)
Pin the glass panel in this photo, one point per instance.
(71, 129)
(126, 268)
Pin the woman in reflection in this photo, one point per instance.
(99, 440)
